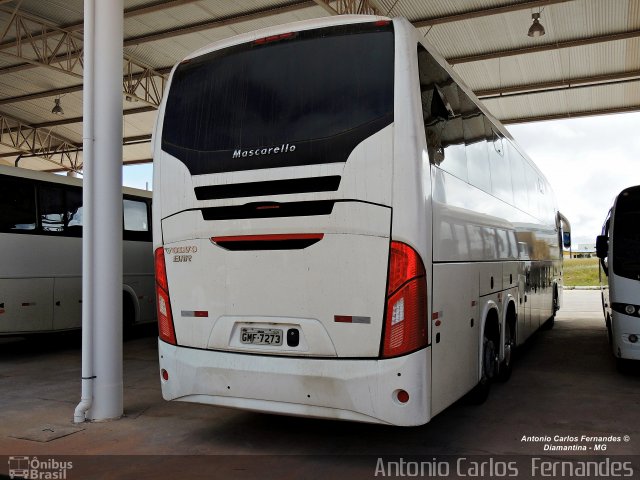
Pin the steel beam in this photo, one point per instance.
(557, 85)
(141, 161)
(220, 22)
(77, 147)
(563, 116)
(545, 48)
(61, 50)
(485, 12)
(72, 89)
(75, 27)
(39, 142)
(345, 7)
(72, 120)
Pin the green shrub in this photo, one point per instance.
(581, 272)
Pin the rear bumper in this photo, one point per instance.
(357, 390)
(623, 326)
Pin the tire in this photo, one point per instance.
(128, 315)
(627, 367)
(490, 366)
(609, 331)
(548, 325)
(506, 366)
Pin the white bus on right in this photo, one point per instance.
(618, 249)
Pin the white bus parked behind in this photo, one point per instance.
(41, 253)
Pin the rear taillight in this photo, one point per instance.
(405, 328)
(165, 319)
(275, 38)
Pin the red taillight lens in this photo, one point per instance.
(275, 38)
(405, 328)
(404, 264)
(165, 318)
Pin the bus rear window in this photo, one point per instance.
(307, 98)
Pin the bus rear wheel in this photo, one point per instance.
(609, 332)
(128, 315)
(490, 367)
(506, 366)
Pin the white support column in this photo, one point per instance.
(88, 205)
(107, 198)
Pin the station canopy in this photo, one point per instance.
(587, 62)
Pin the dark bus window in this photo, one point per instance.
(626, 234)
(441, 111)
(309, 98)
(74, 211)
(17, 205)
(51, 208)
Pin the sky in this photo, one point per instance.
(588, 161)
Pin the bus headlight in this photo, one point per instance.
(630, 309)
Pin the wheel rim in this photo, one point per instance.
(508, 345)
(490, 362)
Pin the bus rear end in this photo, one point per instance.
(279, 287)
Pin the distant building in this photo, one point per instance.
(582, 250)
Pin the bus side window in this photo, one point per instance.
(443, 125)
(17, 206)
(475, 144)
(518, 178)
(51, 208)
(74, 212)
(500, 168)
(533, 191)
(136, 220)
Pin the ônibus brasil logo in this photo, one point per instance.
(34, 468)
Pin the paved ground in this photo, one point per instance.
(564, 383)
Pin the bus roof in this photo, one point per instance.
(60, 179)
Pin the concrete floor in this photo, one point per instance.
(564, 383)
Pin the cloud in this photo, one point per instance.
(588, 161)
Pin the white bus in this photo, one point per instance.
(341, 229)
(619, 251)
(41, 253)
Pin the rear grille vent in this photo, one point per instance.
(272, 187)
(268, 242)
(269, 210)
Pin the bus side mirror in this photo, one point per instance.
(602, 246)
(566, 239)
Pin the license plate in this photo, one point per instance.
(261, 336)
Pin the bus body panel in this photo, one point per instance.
(625, 291)
(25, 305)
(67, 298)
(341, 275)
(361, 390)
(455, 321)
(344, 274)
